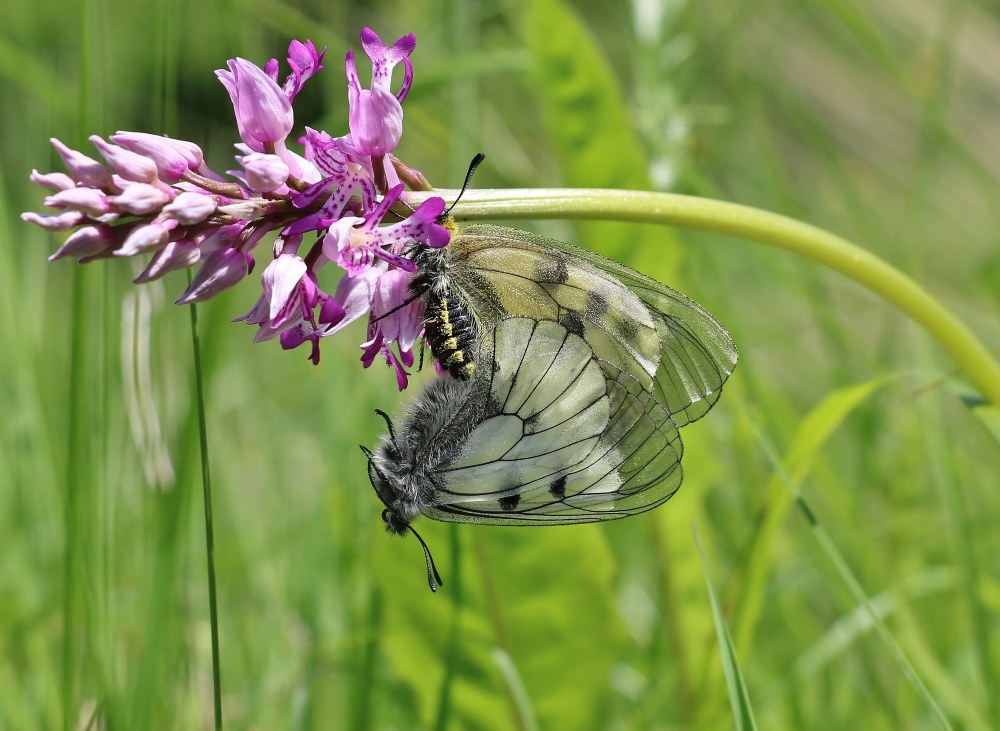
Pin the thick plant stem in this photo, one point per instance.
(979, 366)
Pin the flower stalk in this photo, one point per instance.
(764, 227)
(206, 487)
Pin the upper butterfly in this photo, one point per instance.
(570, 376)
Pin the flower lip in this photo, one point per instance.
(375, 115)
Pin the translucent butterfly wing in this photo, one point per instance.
(669, 344)
(697, 353)
(558, 441)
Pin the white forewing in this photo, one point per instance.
(490, 441)
(669, 344)
(508, 272)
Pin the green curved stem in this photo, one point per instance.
(749, 223)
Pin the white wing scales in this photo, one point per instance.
(554, 410)
(490, 441)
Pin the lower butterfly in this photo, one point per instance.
(570, 375)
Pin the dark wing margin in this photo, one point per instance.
(697, 354)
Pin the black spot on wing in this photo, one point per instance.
(597, 305)
(558, 487)
(572, 321)
(552, 270)
(629, 328)
(509, 502)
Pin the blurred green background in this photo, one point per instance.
(875, 120)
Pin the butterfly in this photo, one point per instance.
(570, 375)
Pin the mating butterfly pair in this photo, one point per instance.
(571, 374)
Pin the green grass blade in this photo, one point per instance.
(988, 415)
(852, 583)
(739, 698)
(591, 129)
(958, 507)
(84, 446)
(454, 633)
(806, 446)
(206, 484)
(525, 714)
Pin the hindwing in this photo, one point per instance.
(559, 441)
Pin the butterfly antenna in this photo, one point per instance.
(371, 463)
(476, 161)
(432, 572)
(388, 423)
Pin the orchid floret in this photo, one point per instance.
(335, 201)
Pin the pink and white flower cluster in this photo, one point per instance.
(155, 196)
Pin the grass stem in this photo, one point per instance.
(206, 482)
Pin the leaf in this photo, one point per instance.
(807, 444)
(850, 580)
(589, 124)
(539, 599)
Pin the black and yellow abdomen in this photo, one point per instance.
(449, 327)
(450, 333)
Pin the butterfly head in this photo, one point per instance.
(398, 512)
(388, 492)
(393, 523)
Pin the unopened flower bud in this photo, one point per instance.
(53, 181)
(56, 222)
(126, 163)
(140, 199)
(86, 241)
(143, 238)
(190, 208)
(84, 169)
(264, 173)
(172, 158)
(89, 201)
